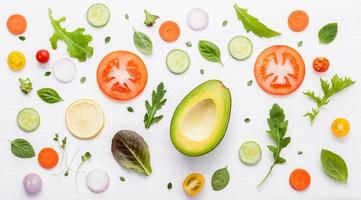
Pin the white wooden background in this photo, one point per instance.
(168, 164)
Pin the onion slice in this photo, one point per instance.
(64, 70)
(197, 19)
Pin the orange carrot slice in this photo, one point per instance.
(298, 20)
(16, 24)
(299, 179)
(48, 158)
(169, 31)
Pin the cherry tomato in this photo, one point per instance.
(193, 184)
(320, 64)
(340, 127)
(279, 70)
(122, 75)
(42, 56)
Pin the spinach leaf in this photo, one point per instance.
(76, 41)
(251, 23)
(220, 179)
(131, 151)
(334, 166)
(49, 95)
(328, 33)
(143, 43)
(209, 51)
(22, 148)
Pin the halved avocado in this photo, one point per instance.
(201, 119)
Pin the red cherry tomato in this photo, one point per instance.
(42, 56)
(321, 64)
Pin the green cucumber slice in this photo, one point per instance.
(240, 47)
(98, 15)
(250, 153)
(28, 119)
(177, 61)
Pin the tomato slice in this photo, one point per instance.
(122, 75)
(279, 70)
(320, 64)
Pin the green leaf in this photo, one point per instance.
(107, 39)
(300, 43)
(150, 18)
(220, 179)
(169, 186)
(122, 179)
(249, 83)
(334, 166)
(130, 109)
(82, 79)
(48, 73)
(188, 44)
(225, 23)
(49, 95)
(251, 23)
(25, 85)
(157, 103)
(22, 38)
(22, 148)
(143, 43)
(327, 33)
(209, 51)
(77, 42)
(131, 151)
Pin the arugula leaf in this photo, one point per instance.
(157, 102)
(329, 89)
(77, 41)
(328, 33)
(251, 23)
(278, 127)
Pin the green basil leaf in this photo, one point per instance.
(131, 151)
(143, 43)
(328, 33)
(22, 148)
(334, 166)
(220, 179)
(209, 51)
(49, 95)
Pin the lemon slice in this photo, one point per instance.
(84, 118)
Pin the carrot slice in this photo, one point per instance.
(169, 31)
(48, 158)
(299, 179)
(298, 20)
(16, 24)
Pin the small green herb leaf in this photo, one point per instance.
(188, 44)
(25, 85)
(107, 39)
(48, 73)
(22, 148)
(220, 179)
(201, 71)
(86, 156)
(49, 95)
(300, 43)
(251, 23)
(130, 109)
(169, 186)
(249, 83)
(22, 38)
(126, 16)
(122, 179)
(225, 23)
(328, 33)
(299, 152)
(247, 120)
(143, 43)
(82, 79)
(157, 102)
(334, 166)
(209, 51)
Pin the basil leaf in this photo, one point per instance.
(22, 148)
(131, 151)
(143, 43)
(328, 33)
(49, 95)
(251, 23)
(334, 166)
(220, 179)
(209, 51)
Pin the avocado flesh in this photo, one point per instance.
(200, 121)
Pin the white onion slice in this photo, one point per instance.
(32, 183)
(97, 180)
(197, 19)
(64, 70)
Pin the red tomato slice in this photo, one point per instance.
(279, 70)
(122, 75)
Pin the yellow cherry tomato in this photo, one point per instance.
(340, 127)
(193, 184)
(16, 60)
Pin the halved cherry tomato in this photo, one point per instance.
(340, 127)
(320, 64)
(279, 70)
(42, 56)
(299, 179)
(16, 60)
(48, 158)
(193, 184)
(122, 75)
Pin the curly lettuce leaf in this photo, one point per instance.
(76, 41)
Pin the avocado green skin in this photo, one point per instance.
(221, 132)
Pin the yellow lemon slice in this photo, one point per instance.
(84, 118)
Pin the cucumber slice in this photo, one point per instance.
(28, 119)
(177, 61)
(250, 153)
(240, 47)
(98, 15)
